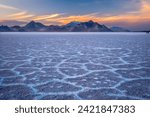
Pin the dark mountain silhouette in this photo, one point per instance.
(119, 29)
(5, 29)
(32, 26)
(89, 26)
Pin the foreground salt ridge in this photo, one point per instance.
(74, 67)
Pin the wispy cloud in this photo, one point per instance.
(46, 17)
(17, 14)
(2, 6)
(21, 16)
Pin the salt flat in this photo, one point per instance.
(74, 66)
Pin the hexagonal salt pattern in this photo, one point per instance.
(72, 66)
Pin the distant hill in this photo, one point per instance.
(119, 29)
(89, 26)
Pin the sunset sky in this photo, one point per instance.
(131, 14)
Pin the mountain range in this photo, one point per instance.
(89, 26)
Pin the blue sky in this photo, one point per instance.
(74, 6)
(110, 12)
